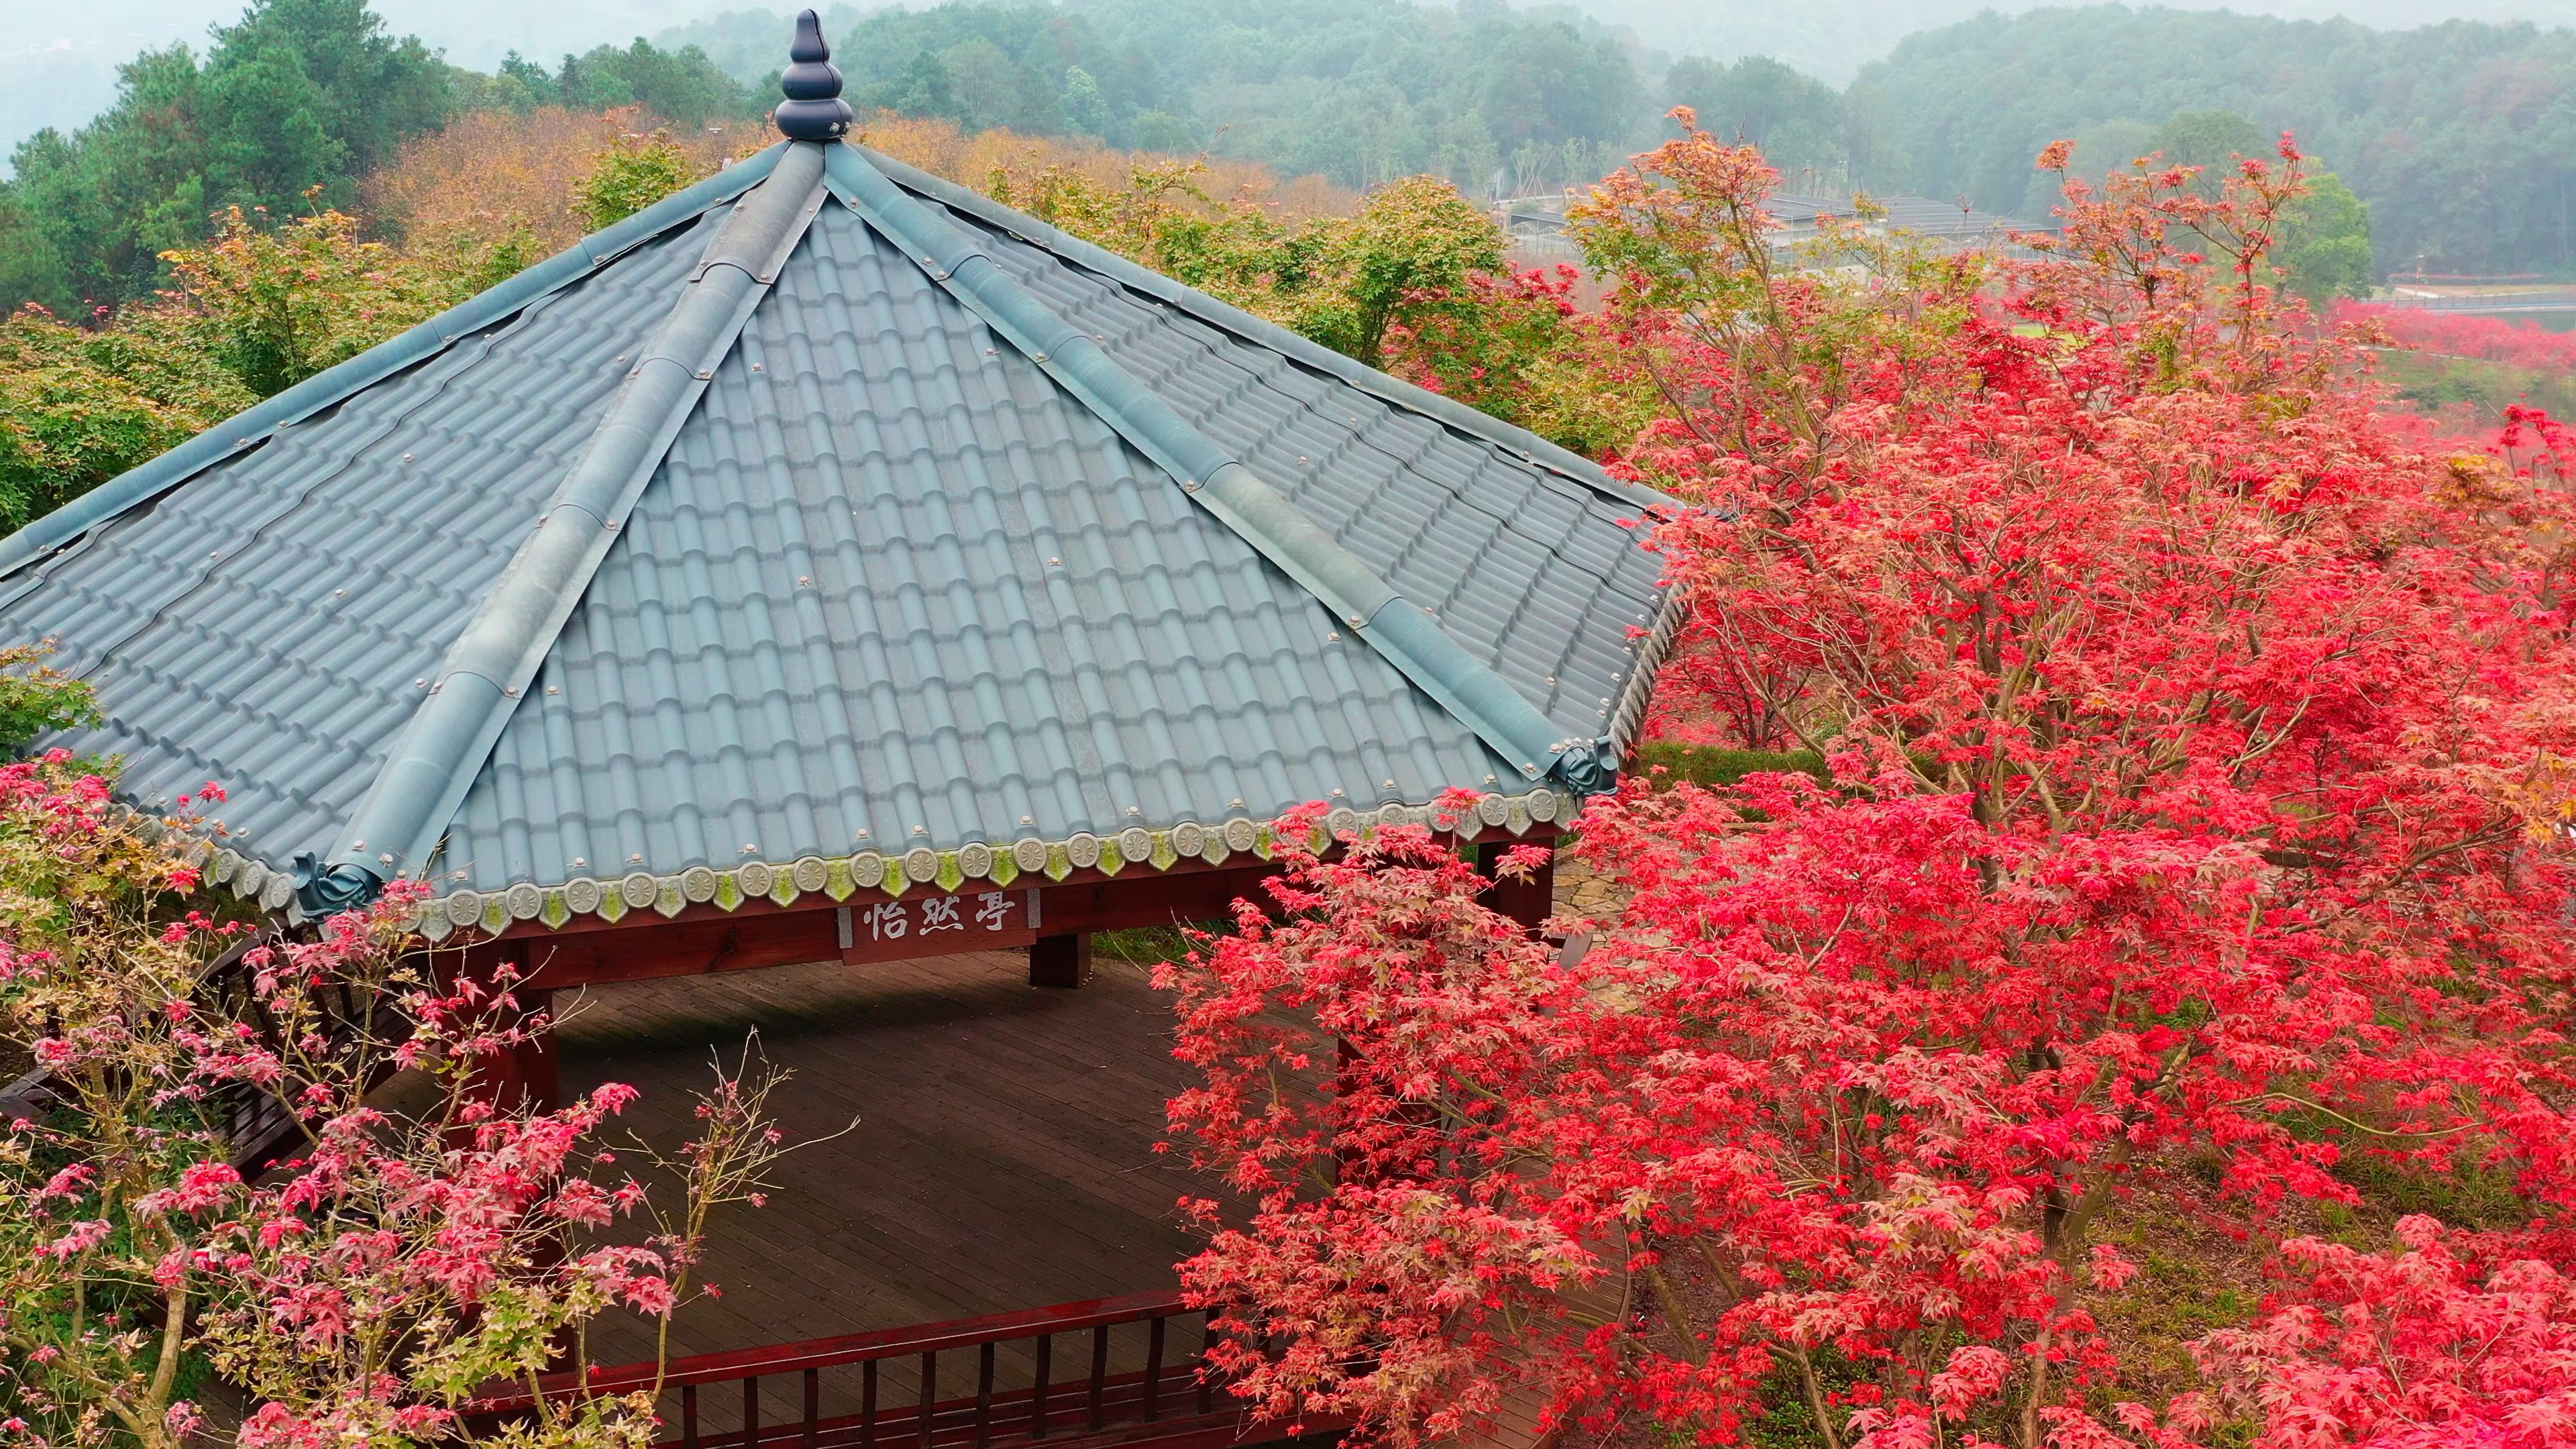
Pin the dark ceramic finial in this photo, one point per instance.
(813, 110)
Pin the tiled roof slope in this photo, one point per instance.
(893, 587)
(1528, 568)
(891, 603)
(262, 624)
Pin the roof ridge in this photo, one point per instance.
(256, 424)
(1403, 632)
(432, 763)
(1447, 411)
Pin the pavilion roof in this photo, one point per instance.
(825, 527)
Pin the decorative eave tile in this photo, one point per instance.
(1000, 863)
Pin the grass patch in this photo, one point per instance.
(2470, 1195)
(2193, 1277)
(2432, 382)
(1710, 765)
(1150, 945)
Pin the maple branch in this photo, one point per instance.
(2356, 1125)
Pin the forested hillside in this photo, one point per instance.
(281, 116)
(2460, 137)
(1354, 90)
(1833, 39)
(2457, 135)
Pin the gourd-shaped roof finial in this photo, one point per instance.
(813, 110)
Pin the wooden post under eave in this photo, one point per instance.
(1060, 960)
(536, 1065)
(1529, 901)
(527, 1076)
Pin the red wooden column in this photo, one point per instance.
(528, 1076)
(1062, 961)
(1530, 901)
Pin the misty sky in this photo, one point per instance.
(58, 58)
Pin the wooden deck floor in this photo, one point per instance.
(1002, 1156)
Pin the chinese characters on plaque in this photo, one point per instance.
(966, 921)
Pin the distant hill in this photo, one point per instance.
(2461, 137)
(58, 62)
(1833, 39)
(1358, 91)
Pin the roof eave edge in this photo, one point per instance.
(972, 866)
(432, 763)
(1628, 720)
(1402, 632)
(256, 424)
(1305, 350)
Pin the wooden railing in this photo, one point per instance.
(1040, 1375)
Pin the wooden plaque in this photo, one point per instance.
(894, 930)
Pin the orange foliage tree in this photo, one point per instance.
(494, 173)
(1003, 162)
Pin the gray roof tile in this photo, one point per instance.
(889, 586)
(895, 587)
(260, 625)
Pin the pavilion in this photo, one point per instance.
(830, 565)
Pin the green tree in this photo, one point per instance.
(275, 307)
(1546, 83)
(77, 408)
(1410, 250)
(2324, 246)
(35, 699)
(1463, 150)
(630, 175)
(924, 89)
(1086, 110)
(1162, 131)
(2214, 141)
(1794, 120)
(299, 94)
(979, 75)
(265, 130)
(680, 86)
(364, 88)
(31, 264)
(529, 84)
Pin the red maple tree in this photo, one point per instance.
(2201, 756)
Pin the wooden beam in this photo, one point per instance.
(701, 939)
(872, 927)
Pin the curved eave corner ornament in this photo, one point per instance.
(1589, 767)
(813, 110)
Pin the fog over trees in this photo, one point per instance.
(2448, 144)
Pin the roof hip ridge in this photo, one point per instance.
(335, 384)
(1447, 411)
(1402, 632)
(432, 763)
